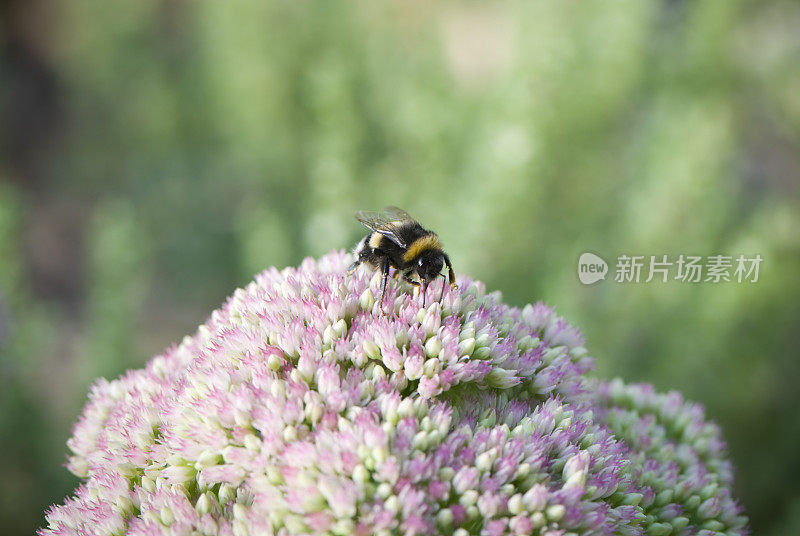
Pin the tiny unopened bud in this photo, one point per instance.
(466, 347)
(432, 366)
(371, 350)
(433, 346)
(203, 504)
(469, 497)
(555, 512)
(444, 518)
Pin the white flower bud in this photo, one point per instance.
(289, 434)
(392, 504)
(251, 442)
(413, 368)
(515, 505)
(203, 504)
(576, 480)
(555, 512)
(484, 462)
(275, 362)
(538, 519)
(444, 518)
(148, 484)
(502, 378)
(367, 300)
(384, 490)
(432, 367)
(328, 335)
(340, 328)
(466, 347)
(166, 516)
(468, 498)
(420, 440)
(278, 389)
(432, 319)
(226, 493)
(371, 350)
(433, 346)
(378, 373)
(535, 498)
(522, 470)
(578, 462)
(406, 408)
(296, 376)
(207, 458)
(360, 474)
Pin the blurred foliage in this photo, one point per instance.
(200, 142)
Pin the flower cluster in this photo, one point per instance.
(303, 406)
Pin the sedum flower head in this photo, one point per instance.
(302, 407)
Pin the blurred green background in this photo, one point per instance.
(158, 154)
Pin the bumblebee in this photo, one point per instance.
(396, 240)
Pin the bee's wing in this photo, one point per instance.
(398, 214)
(386, 223)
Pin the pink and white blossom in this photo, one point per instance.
(303, 406)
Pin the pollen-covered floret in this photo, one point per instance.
(305, 407)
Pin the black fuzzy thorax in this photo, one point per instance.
(408, 233)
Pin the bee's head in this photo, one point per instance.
(430, 265)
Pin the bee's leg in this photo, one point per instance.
(385, 272)
(407, 279)
(424, 290)
(444, 282)
(451, 275)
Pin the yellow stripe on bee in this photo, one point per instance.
(420, 245)
(375, 240)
